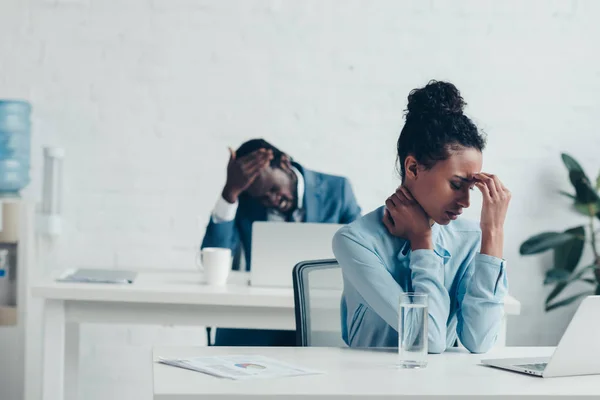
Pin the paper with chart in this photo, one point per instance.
(240, 367)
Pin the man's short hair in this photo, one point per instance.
(256, 144)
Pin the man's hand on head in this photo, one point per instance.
(243, 171)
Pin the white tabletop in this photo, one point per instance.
(184, 287)
(179, 287)
(364, 373)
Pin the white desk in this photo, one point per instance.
(156, 298)
(363, 374)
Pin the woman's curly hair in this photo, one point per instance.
(435, 124)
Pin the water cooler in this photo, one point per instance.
(17, 230)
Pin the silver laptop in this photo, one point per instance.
(577, 353)
(85, 275)
(278, 246)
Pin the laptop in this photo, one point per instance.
(278, 246)
(85, 275)
(577, 353)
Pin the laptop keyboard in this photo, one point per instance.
(534, 367)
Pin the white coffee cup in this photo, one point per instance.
(215, 263)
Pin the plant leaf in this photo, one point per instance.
(569, 195)
(556, 275)
(567, 255)
(589, 210)
(567, 301)
(556, 291)
(570, 163)
(581, 271)
(559, 287)
(544, 241)
(584, 191)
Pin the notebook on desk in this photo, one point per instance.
(240, 367)
(85, 275)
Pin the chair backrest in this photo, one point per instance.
(318, 289)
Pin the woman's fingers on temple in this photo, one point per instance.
(497, 188)
(488, 181)
(483, 188)
(499, 185)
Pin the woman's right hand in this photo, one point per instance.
(243, 171)
(405, 218)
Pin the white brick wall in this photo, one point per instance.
(146, 95)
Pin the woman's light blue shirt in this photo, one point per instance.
(465, 288)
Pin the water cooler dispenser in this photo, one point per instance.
(9, 261)
(15, 143)
(18, 310)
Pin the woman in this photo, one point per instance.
(418, 243)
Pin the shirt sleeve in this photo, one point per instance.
(481, 294)
(427, 273)
(224, 211)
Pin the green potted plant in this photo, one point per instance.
(568, 245)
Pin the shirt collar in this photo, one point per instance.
(299, 188)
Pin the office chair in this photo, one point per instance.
(318, 288)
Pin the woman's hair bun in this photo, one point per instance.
(437, 98)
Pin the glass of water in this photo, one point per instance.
(412, 330)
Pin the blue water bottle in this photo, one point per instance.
(15, 146)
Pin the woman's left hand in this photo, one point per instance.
(495, 201)
(496, 198)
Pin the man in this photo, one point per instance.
(264, 184)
